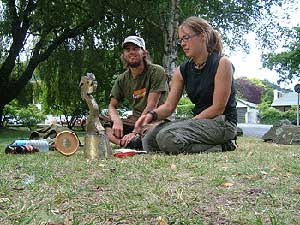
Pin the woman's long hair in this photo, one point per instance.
(199, 25)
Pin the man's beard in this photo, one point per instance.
(135, 64)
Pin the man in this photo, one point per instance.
(145, 87)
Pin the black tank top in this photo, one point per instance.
(199, 86)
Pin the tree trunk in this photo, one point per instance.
(170, 38)
(10, 89)
(1, 115)
(20, 22)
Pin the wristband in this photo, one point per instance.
(153, 114)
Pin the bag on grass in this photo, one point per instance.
(20, 149)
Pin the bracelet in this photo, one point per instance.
(153, 114)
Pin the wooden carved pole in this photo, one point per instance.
(96, 142)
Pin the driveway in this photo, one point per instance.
(254, 130)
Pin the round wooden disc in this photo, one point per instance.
(66, 142)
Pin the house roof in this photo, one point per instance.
(243, 103)
(287, 99)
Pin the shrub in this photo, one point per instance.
(28, 116)
(184, 101)
(291, 114)
(185, 110)
(270, 115)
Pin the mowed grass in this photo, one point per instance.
(259, 183)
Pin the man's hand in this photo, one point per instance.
(117, 129)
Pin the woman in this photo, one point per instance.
(207, 78)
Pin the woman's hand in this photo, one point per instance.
(142, 121)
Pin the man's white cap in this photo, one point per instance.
(135, 40)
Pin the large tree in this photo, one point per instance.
(36, 28)
(41, 26)
(233, 19)
(157, 24)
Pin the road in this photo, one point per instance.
(254, 130)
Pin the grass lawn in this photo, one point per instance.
(259, 183)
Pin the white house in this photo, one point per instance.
(246, 112)
(284, 101)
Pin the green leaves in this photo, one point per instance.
(75, 37)
(287, 62)
(28, 116)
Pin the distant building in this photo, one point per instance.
(284, 101)
(246, 112)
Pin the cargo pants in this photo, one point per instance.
(189, 135)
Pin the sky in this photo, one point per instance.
(250, 65)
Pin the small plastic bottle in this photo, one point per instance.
(41, 145)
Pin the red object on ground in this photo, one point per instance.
(124, 154)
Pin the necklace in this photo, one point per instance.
(200, 66)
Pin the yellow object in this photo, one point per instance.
(96, 147)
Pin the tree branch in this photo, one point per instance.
(38, 56)
(19, 30)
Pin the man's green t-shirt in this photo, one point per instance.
(137, 89)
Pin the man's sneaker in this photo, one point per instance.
(136, 143)
(229, 146)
